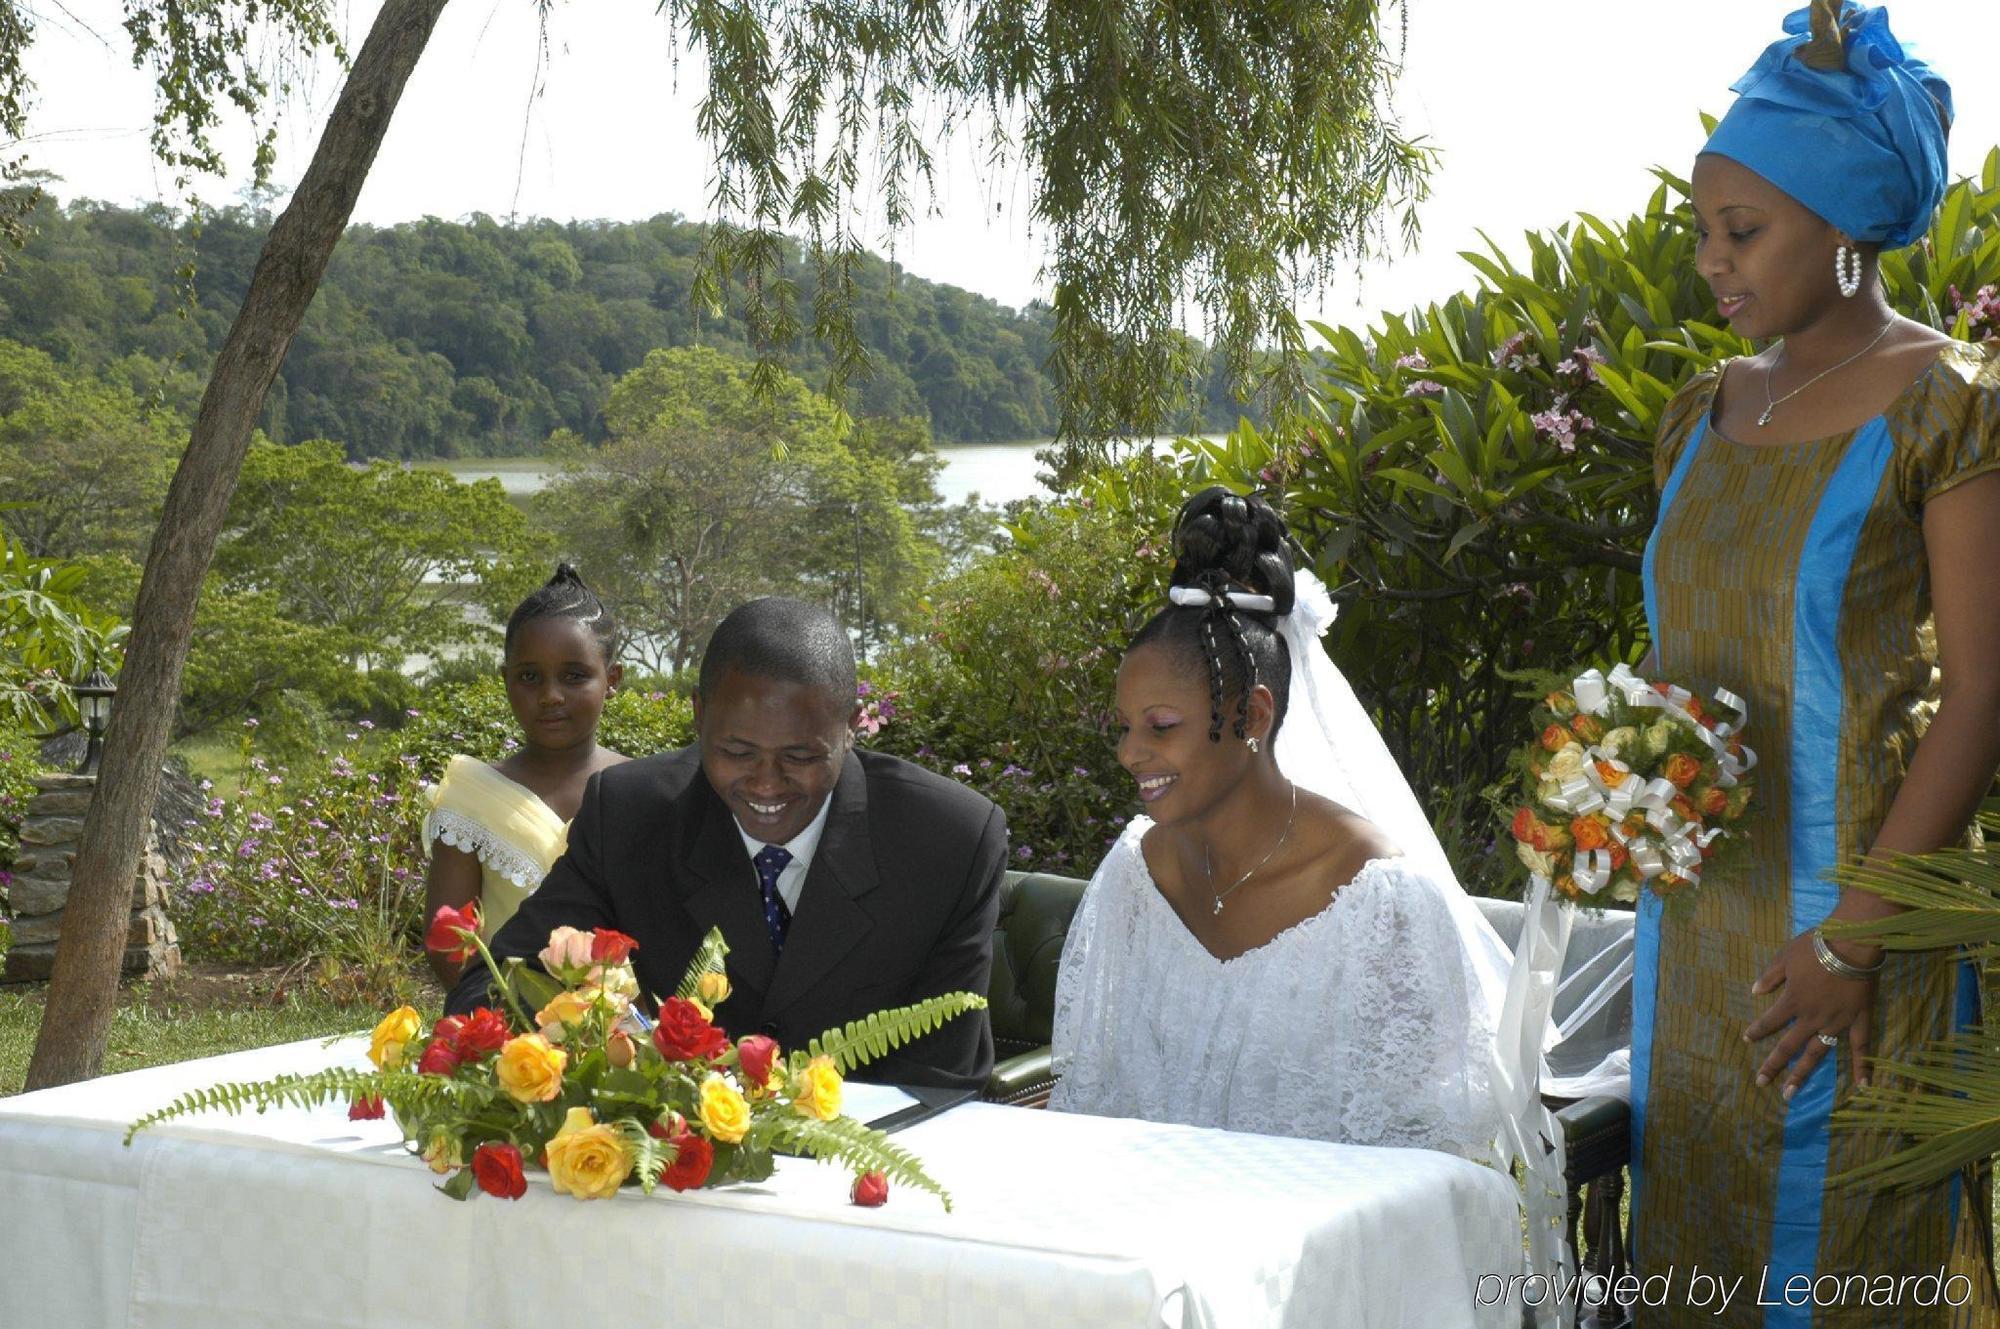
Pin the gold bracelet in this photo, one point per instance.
(1838, 967)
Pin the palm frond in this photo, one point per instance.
(707, 960)
(859, 1042)
(1951, 898)
(407, 1090)
(845, 1140)
(1945, 1103)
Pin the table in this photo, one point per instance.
(304, 1219)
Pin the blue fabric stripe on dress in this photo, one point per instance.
(1965, 1016)
(1818, 692)
(1646, 939)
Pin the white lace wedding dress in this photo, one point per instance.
(1361, 1024)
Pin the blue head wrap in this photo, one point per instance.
(1863, 146)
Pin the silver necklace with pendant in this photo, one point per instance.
(1208, 867)
(1770, 405)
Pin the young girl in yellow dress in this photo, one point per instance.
(495, 830)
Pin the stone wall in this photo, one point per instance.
(49, 833)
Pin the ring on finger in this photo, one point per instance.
(1828, 1040)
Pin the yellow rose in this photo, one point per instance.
(586, 1159)
(707, 1015)
(398, 1027)
(723, 1110)
(529, 1069)
(713, 988)
(818, 1089)
(563, 1008)
(1567, 764)
(442, 1153)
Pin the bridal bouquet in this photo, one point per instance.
(1628, 784)
(565, 1078)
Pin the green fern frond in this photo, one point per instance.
(1945, 1103)
(859, 1042)
(707, 960)
(407, 1090)
(649, 1155)
(845, 1140)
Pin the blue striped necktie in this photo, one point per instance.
(771, 861)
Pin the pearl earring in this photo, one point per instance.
(1252, 742)
(1847, 276)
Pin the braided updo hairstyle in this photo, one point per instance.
(566, 596)
(1226, 542)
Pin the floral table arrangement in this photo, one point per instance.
(566, 1078)
(1628, 785)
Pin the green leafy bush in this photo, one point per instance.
(474, 718)
(1474, 482)
(1009, 684)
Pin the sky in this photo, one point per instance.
(1539, 109)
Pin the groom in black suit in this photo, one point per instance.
(844, 882)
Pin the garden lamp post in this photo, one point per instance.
(93, 700)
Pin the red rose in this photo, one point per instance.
(497, 1169)
(483, 1031)
(366, 1108)
(755, 1054)
(440, 1058)
(446, 1030)
(611, 947)
(449, 929)
(683, 1035)
(693, 1157)
(870, 1190)
(667, 1127)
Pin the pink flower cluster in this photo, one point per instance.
(1982, 310)
(1562, 425)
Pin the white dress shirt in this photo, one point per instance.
(800, 847)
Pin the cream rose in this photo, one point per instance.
(1566, 764)
(1533, 859)
(1619, 742)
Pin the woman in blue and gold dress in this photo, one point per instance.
(1829, 528)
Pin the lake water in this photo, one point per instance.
(997, 472)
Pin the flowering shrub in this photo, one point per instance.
(321, 861)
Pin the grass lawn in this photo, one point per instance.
(201, 1013)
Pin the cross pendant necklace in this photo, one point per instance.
(1208, 866)
(1770, 406)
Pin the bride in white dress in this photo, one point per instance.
(1279, 945)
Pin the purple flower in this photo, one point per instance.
(961, 769)
(1024, 853)
(1424, 387)
(1414, 360)
(366, 724)
(260, 822)
(248, 849)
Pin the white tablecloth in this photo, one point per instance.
(300, 1220)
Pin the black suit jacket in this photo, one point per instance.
(898, 905)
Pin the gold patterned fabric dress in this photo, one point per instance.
(515, 836)
(1796, 576)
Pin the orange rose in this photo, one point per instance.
(1713, 801)
(1587, 727)
(1682, 770)
(1523, 828)
(1685, 810)
(1592, 832)
(1694, 710)
(1609, 773)
(1669, 884)
(1566, 887)
(1555, 738)
(1560, 702)
(1619, 856)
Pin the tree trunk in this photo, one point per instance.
(83, 986)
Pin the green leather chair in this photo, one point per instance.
(1035, 910)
